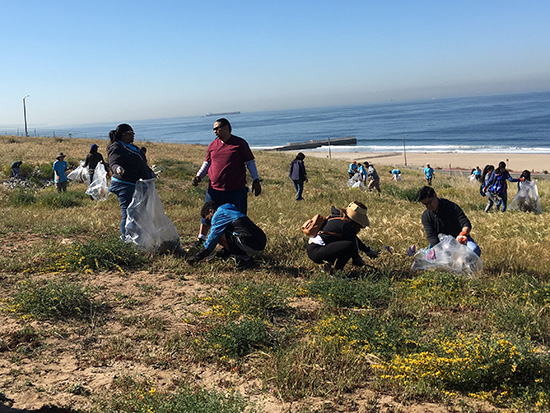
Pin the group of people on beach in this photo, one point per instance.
(224, 219)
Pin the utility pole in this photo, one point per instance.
(404, 151)
(25, 114)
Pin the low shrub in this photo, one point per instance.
(22, 197)
(131, 396)
(340, 292)
(105, 254)
(262, 300)
(61, 199)
(490, 366)
(51, 299)
(237, 339)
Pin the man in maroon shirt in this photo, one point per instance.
(226, 158)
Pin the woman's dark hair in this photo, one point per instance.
(207, 207)
(487, 170)
(502, 166)
(526, 174)
(300, 157)
(116, 134)
(224, 122)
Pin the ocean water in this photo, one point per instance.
(502, 123)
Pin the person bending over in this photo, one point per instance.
(234, 231)
(445, 217)
(337, 242)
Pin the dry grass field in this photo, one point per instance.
(90, 324)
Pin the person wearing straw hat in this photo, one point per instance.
(60, 173)
(337, 242)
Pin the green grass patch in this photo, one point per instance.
(236, 339)
(361, 293)
(53, 299)
(254, 299)
(142, 397)
(58, 200)
(104, 254)
(22, 197)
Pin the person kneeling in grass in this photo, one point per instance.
(445, 217)
(234, 231)
(337, 242)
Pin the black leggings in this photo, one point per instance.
(338, 251)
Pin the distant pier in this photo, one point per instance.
(311, 144)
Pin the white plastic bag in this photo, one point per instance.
(527, 199)
(448, 255)
(80, 174)
(356, 181)
(147, 225)
(99, 189)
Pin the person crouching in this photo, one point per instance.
(337, 242)
(234, 231)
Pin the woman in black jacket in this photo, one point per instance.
(128, 164)
(297, 173)
(337, 242)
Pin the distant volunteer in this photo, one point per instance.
(92, 160)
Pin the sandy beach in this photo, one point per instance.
(515, 162)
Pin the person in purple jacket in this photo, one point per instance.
(297, 173)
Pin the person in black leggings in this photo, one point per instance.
(337, 242)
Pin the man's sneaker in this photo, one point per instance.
(244, 262)
(222, 253)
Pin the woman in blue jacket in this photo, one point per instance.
(498, 187)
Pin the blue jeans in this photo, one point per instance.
(124, 191)
(237, 197)
(299, 185)
(471, 244)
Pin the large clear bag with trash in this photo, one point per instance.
(356, 182)
(448, 255)
(147, 225)
(99, 189)
(527, 199)
(80, 174)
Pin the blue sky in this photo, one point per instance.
(117, 61)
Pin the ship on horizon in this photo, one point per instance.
(222, 113)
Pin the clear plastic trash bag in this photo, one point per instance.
(527, 199)
(356, 181)
(80, 174)
(99, 189)
(448, 255)
(147, 225)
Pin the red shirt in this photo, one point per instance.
(227, 169)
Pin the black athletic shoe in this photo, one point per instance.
(244, 262)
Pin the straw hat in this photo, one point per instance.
(358, 214)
